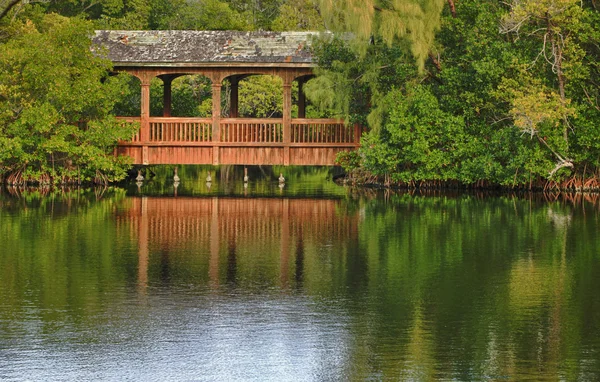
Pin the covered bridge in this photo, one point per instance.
(224, 139)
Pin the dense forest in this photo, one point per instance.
(461, 92)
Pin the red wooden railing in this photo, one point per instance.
(321, 131)
(173, 140)
(247, 130)
(180, 129)
(251, 130)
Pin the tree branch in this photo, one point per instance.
(560, 165)
(9, 6)
(590, 99)
(436, 61)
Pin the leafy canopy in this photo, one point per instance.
(56, 102)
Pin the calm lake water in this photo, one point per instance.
(309, 282)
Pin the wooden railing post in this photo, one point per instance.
(216, 120)
(357, 134)
(287, 119)
(145, 117)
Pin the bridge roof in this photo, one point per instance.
(208, 48)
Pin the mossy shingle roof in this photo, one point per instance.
(204, 47)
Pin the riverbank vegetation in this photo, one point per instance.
(466, 93)
(506, 94)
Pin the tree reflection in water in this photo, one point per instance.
(399, 287)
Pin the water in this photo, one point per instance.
(297, 285)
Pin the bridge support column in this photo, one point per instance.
(287, 119)
(216, 120)
(145, 117)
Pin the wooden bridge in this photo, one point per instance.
(224, 56)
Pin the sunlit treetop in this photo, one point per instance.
(415, 21)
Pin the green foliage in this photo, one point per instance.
(205, 15)
(418, 141)
(261, 97)
(354, 86)
(258, 14)
(517, 108)
(299, 15)
(55, 103)
(413, 21)
(349, 160)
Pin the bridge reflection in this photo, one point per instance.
(225, 230)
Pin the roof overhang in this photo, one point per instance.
(195, 49)
(201, 65)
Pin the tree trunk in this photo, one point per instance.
(557, 50)
(452, 8)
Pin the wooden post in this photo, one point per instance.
(216, 119)
(167, 97)
(234, 101)
(301, 99)
(145, 117)
(287, 118)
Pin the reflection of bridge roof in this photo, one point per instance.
(209, 48)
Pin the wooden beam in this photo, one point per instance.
(145, 116)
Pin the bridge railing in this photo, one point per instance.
(177, 130)
(180, 129)
(322, 131)
(251, 130)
